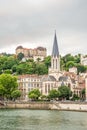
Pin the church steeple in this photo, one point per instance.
(55, 58)
(55, 51)
(54, 70)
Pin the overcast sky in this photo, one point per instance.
(32, 23)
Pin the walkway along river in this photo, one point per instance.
(70, 106)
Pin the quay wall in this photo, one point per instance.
(27, 105)
(72, 106)
(67, 106)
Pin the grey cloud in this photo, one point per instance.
(28, 21)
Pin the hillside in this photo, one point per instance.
(9, 63)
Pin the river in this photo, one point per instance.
(24, 119)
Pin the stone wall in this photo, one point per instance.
(30, 105)
(67, 106)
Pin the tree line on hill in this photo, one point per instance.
(12, 64)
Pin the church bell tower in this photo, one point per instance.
(55, 58)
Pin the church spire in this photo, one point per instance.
(55, 59)
(55, 51)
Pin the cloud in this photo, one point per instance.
(32, 23)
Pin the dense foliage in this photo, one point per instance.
(12, 64)
(62, 93)
(53, 94)
(65, 92)
(34, 94)
(8, 87)
(69, 61)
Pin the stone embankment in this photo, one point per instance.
(54, 105)
(70, 106)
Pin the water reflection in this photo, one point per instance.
(24, 119)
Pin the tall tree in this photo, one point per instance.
(9, 84)
(15, 94)
(34, 94)
(53, 94)
(65, 92)
(47, 61)
(20, 56)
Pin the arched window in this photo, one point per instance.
(53, 63)
(56, 63)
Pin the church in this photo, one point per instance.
(53, 80)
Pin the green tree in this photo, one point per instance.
(34, 94)
(2, 91)
(81, 68)
(75, 97)
(7, 71)
(69, 57)
(41, 69)
(53, 94)
(38, 59)
(44, 97)
(9, 62)
(83, 94)
(65, 92)
(77, 58)
(20, 56)
(15, 94)
(9, 84)
(14, 68)
(47, 61)
(70, 64)
(68, 61)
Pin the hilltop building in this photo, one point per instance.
(39, 52)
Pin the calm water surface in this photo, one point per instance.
(23, 119)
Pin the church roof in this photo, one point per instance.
(48, 78)
(55, 51)
(63, 78)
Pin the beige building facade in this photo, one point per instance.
(26, 83)
(39, 52)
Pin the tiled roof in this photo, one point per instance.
(27, 76)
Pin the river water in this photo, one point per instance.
(24, 119)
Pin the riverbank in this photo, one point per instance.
(66, 106)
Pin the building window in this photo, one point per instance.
(37, 85)
(45, 88)
(56, 63)
(48, 88)
(29, 85)
(53, 63)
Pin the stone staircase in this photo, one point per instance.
(56, 105)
